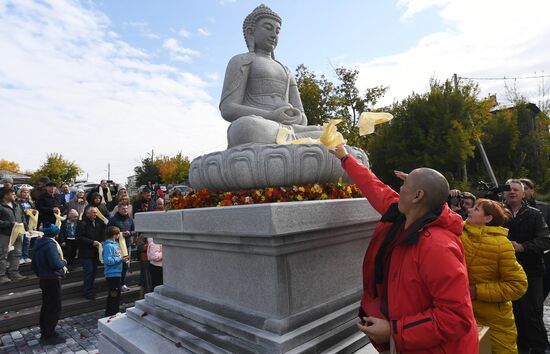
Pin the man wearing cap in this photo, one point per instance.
(10, 214)
(48, 205)
(7, 182)
(48, 265)
(39, 188)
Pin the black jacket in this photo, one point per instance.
(86, 234)
(529, 229)
(544, 209)
(9, 215)
(45, 204)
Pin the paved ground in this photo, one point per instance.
(81, 335)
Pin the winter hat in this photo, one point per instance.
(73, 212)
(80, 190)
(44, 179)
(51, 230)
(7, 179)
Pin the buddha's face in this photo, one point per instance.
(266, 34)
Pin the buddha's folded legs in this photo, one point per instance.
(252, 129)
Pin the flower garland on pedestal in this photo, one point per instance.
(204, 198)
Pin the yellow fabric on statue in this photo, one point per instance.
(18, 229)
(330, 137)
(33, 219)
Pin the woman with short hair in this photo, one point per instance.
(496, 278)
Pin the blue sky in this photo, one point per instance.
(108, 81)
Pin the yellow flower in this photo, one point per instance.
(301, 189)
(324, 196)
(299, 197)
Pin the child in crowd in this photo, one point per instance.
(154, 254)
(68, 235)
(49, 266)
(112, 261)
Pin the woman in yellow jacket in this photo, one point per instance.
(496, 278)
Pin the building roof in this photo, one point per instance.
(503, 107)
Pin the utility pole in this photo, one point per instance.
(109, 171)
(479, 145)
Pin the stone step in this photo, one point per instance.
(30, 316)
(75, 275)
(30, 297)
(176, 334)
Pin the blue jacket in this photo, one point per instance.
(112, 260)
(46, 262)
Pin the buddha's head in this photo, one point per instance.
(260, 13)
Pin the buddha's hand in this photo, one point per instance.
(286, 115)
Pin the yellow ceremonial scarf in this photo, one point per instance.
(58, 219)
(60, 251)
(101, 216)
(106, 198)
(122, 245)
(330, 137)
(18, 229)
(100, 250)
(33, 219)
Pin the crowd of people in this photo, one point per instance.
(465, 261)
(57, 225)
(432, 274)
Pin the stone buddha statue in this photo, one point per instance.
(260, 94)
(260, 99)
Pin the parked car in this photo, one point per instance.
(183, 189)
(19, 186)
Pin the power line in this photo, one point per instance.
(504, 77)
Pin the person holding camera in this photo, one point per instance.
(530, 238)
(461, 202)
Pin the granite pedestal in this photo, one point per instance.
(269, 278)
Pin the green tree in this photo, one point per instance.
(351, 103)
(436, 129)
(317, 96)
(324, 100)
(174, 169)
(518, 143)
(148, 172)
(57, 169)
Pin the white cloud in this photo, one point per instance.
(203, 32)
(143, 28)
(184, 33)
(212, 76)
(412, 7)
(68, 84)
(484, 39)
(178, 52)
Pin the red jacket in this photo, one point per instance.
(428, 294)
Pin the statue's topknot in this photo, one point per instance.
(260, 12)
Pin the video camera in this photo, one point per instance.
(492, 191)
